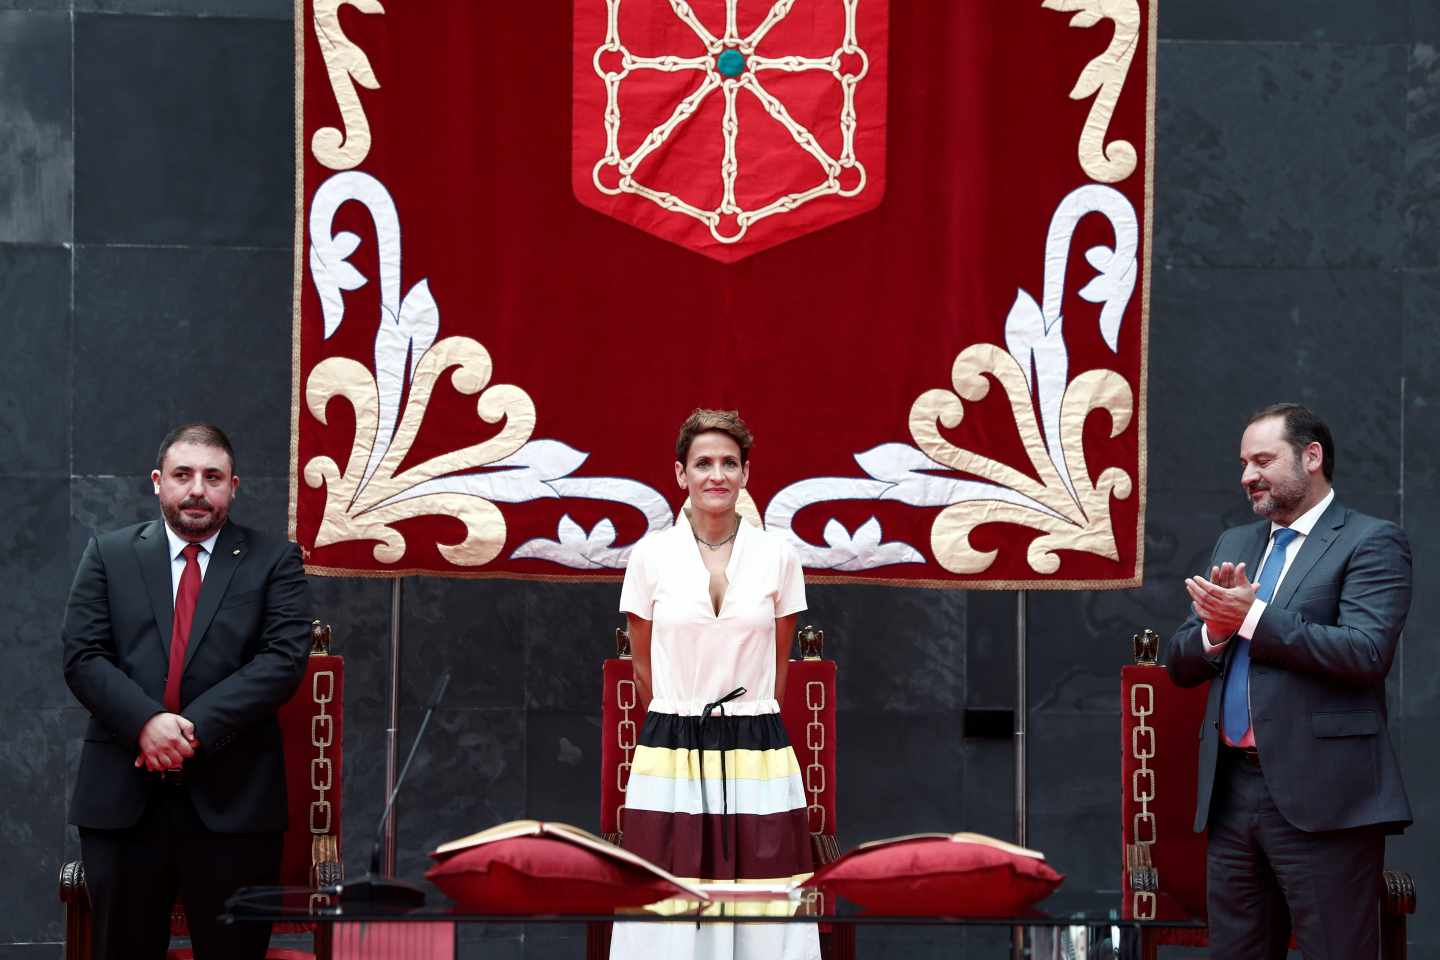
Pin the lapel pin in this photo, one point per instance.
(237, 551)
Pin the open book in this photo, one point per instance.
(569, 834)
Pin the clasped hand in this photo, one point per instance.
(166, 741)
(1223, 600)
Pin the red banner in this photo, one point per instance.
(909, 241)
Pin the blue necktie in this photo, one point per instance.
(1236, 705)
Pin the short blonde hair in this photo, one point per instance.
(702, 420)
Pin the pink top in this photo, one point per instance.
(696, 656)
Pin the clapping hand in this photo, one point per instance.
(1223, 600)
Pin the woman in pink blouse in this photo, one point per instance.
(714, 793)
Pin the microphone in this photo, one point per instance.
(389, 891)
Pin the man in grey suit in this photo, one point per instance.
(182, 637)
(1295, 629)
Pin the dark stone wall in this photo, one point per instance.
(145, 225)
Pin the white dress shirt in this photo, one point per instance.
(177, 557)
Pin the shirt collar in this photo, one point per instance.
(1306, 521)
(178, 544)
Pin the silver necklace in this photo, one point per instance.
(717, 546)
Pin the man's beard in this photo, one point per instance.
(1282, 498)
(200, 528)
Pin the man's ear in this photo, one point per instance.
(155, 481)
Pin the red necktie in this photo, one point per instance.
(185, 599)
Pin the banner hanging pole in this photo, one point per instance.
(1022, 711)
(392, 726)
(1022, 770)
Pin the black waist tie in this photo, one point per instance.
(724, 795)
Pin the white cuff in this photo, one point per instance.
(1252, 619)
(1205, 640)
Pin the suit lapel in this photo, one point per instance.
(229, 551)
(1326, 529)
(152, 549)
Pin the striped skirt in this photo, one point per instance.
(717, 798)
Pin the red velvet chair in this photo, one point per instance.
(1163, 859)
(809, 717)
(312, 726)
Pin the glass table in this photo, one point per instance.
(1084, 925)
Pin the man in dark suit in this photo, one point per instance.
(182, 637)
(1295, 629)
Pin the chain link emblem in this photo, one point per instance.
(322, 737)
(1143, 877)
(815, 742)
(625, 736)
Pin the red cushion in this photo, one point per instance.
(939, 876)
(538, 874)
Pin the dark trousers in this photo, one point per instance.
(1266, 877)
(134, 875)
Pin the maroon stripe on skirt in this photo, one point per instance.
(762, 846)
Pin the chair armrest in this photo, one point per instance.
(825, 847)
(1399, 897)
(76, 897)
(72, 885)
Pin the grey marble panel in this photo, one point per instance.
(1422, 157)
(37, 153)
(53, 950)
(562, 767)
(898, 649)
(33, 517)
(1369, 21)
(1271, 155)
(1419, 665)
(1424, 21)
(987, 794)
(898, 773)
(61, 6)
(567, 632)
(1075, 795)
(1414, 681)
(166, 336)
(1422, 391)
(476, 630)
(32, 757)
(259, 9)
(73, 721)
(184, 131)
(1227, 342)
(469, 774)
(990, 631)
(919, 943)
(1414, 851)
(35, 405)
(554, 942)
(492, 943)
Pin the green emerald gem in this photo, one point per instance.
(731, 63)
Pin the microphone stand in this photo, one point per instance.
(373, 887)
